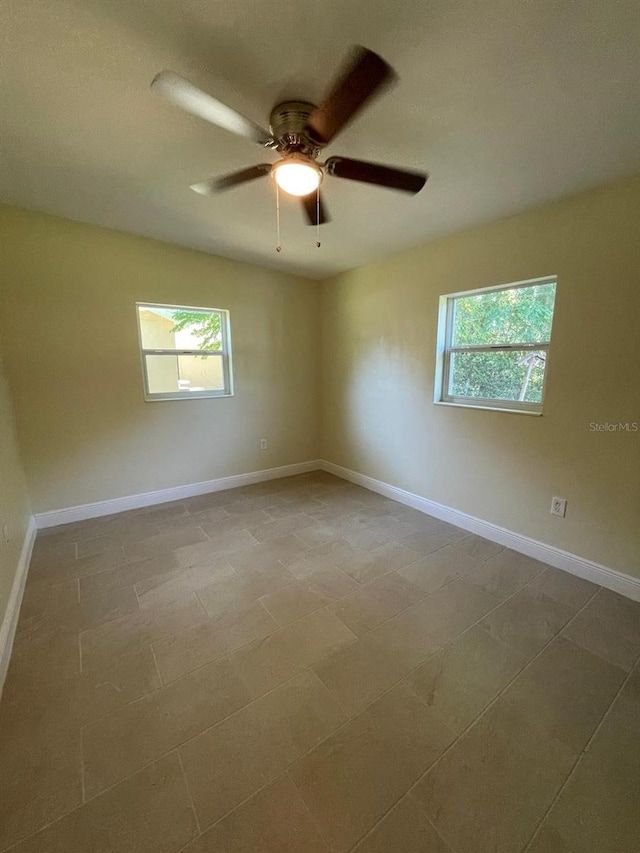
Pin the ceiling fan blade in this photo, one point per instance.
(184, 94)
(374, 173)
(216, 185)
(364, 76)
(310, 206)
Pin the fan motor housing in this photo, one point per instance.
(287, 122)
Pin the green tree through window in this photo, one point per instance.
(204, 326)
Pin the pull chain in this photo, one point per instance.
(278, 246)
(318, 216)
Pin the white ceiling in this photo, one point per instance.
(507, 103)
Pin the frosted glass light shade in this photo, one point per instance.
(297, 177)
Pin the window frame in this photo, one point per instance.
(224, 353)
(444, 350)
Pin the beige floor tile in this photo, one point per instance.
(373, 519)
(570, 590)
(359, 673)
(308, 562)
(294, 601)
(426, 543)
(86, 697)
(449, 611)
(616, 745)
(222, 545)
(213, 500)
(332, 583)
(84, 566)
(48, 557)
(336, 509)
(265, 502)
(376, 602)
(479, 548)
(431, 526)
(598, 810)
(228, 763)
(165, 541)
(119, 537)
(163, 513)
(258, 556)
(211, 638)
(148, 813)
(564, 692)
(93, 612)
(285, 653)
(243, 588)
(528, 620)
(609, 626)
(127, 574)
(42, 597)
(413, 517)
(45, 654)
(491, 789)
(247, 696)
(337, 549)
(505, 573)
(276, 528)
(369, 538)
(61, 534)
(370, 564)
(285, 508)
(275, 820)
(39, 777)
(62, 703)
(126, 740)
(175, 586)
(460, 680)
(98, 645)
(232, 521)
(405, 829)
(318, 533)
(352, 779)
(440, 568)
(87, 566)
(206, 516)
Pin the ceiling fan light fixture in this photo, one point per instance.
(297, 176)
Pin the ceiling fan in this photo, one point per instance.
(298, 132)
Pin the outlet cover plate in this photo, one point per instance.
(559, 507)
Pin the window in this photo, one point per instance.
(185, 352)
(493, 346)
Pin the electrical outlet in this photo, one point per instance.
(263, 444)
(5, 532)
(559, 507)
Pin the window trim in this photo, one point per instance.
(444, 350)
(224, 353)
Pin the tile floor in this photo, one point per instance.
(303, 666)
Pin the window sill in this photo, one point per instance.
(156, 398)
(487, 408)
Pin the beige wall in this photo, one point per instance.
(379, 338)
(86, 433)
(15, 511)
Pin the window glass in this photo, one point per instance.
(185, 352)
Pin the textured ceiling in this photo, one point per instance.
(507, 103)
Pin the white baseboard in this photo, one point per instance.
(610, 578)
(10, 619)
(176, 493)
